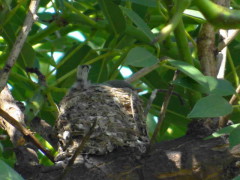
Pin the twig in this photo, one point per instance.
(141, 73)
(150, 101)
(17, 47)
(28, 135)
(153, 96)
(78, 150)
(163, 110)
(173, 93)
(228, 40)
(222, 56)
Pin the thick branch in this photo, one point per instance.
(186, 158)
(206, 50)
(219, 16)
(180, 6)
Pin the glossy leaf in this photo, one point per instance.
(190, 84)
(190, 71)
(224, 131)
(210, 106)
(219, 87)
(195, 15)
(140, 57)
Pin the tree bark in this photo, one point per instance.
(186, 158)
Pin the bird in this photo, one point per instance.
(116, 108)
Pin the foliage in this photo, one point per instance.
(7, 173)
(237, 178)
(114, 35)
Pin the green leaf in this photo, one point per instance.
(148, 3)
(114, 16)
(35, 104)
(7, 173)
(197, 15)
(190, 71)
(215, 86)
(139, 22)
(140, 57)
(236, 178)
(1, 148)
(187, 82)
(72, 58)
(42, 158)
(226, 130)
(234, 137)
(210, 106)
(27, 56)
(219, 87)
(75, 56)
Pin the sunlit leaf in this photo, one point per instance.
(196, 15)
(190, 71)
(226, 130)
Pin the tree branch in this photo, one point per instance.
(206, 50)
(17, 47)
(141, 73)
(163, 110)
(28, 135)
(228, 39)
(222, 57)
(219, 16)
(180, 6)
